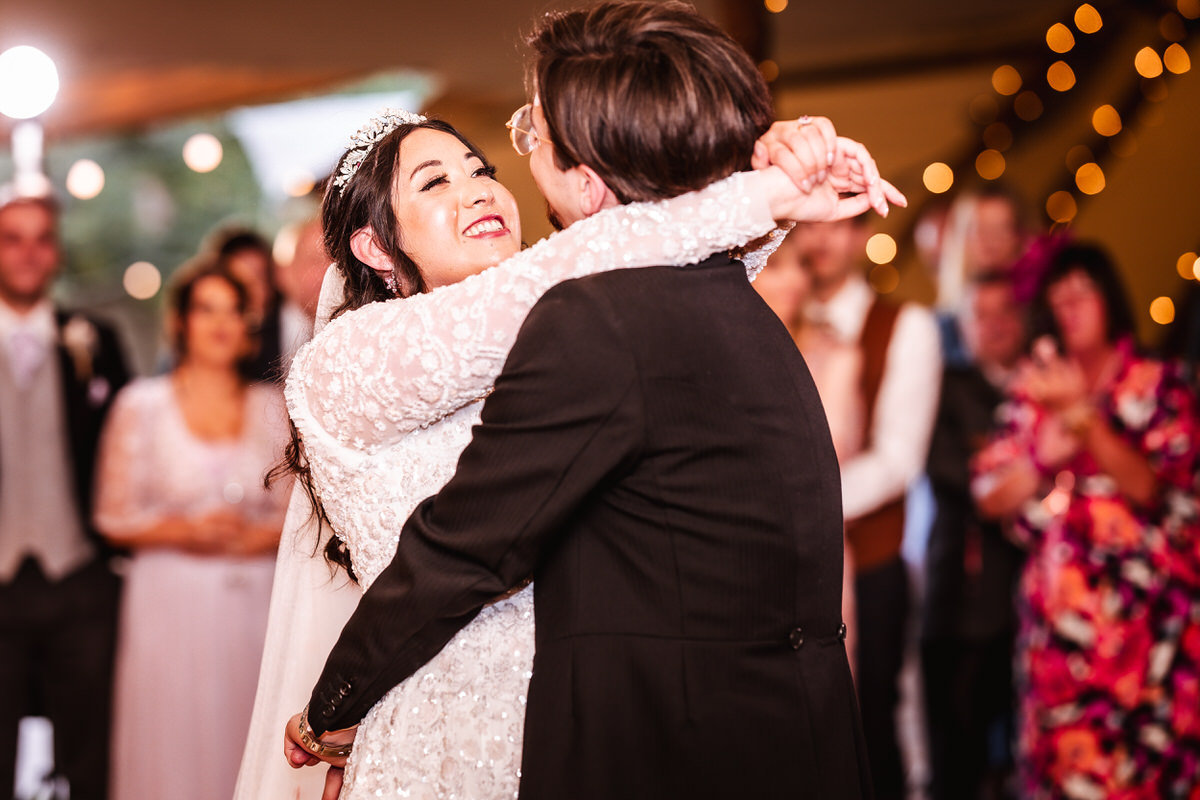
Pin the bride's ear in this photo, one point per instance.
(366, 249)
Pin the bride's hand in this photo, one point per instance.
(834, 177)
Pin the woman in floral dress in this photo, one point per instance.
(1095, 462)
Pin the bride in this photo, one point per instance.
(434, 290)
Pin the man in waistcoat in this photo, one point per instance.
(58, 599)
(895, 401)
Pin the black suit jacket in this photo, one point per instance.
(91, 378)
(655, 453)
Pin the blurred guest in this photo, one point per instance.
(1096, 463)
(301, 262)
(984, 232)
(180, 483)
(58, 598)
(969, 619)
(248, 256)
(881, 406)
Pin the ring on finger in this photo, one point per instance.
(805, 120)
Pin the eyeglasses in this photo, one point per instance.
(520, 130)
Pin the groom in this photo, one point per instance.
(655, 454)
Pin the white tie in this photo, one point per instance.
(26, 352)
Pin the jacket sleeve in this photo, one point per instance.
(565, 418)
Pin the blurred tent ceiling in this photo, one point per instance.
(125, 63)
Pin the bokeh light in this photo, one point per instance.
(1060, 76)
(202, 152)
(283, 250)
(1088, 19)
(1189, 8)
(28, 82)
(85, 179)
(1148, 63)
(1186, 266)
(990, 165)
(299, 183)
(881, 249)
(884, 278)
(1162, 310)
(1059, 38)
(998, 136)
(1171, 27)
(1028, 106)
(775, 6)
(1177, 60)
(1006, 80)
(1090, 178)
(1061, 207)
(142, 280)
(769, 70)
(1106, 120)
(938, 177)
(1079, 155)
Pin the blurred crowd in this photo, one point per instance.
(1019, 481)
(137, 534)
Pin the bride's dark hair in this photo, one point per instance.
(365, 199)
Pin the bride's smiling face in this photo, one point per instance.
(455, 218)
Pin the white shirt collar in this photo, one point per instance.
(846, 311)
(38, 320)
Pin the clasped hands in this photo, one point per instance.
(831, 177)
(1058, 385)
(299, 754)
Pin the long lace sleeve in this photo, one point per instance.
(124, 504)
(389, 368)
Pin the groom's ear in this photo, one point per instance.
(594, 194)
(366, 249)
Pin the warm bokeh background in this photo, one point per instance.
(912, 80)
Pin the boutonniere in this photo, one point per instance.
(80, 338)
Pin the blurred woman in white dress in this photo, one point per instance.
(180, 484)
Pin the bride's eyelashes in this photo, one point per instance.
(482, 172)
(440, 179)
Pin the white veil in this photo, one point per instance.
(333, 294)
(309, 605)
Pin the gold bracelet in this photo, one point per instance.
(309, 738)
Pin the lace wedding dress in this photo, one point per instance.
(385, 398)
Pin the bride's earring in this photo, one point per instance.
(390, 281)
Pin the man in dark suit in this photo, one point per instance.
(969, 621)
(655, 454)
(58, 598)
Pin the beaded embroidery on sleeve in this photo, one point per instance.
(383, 370)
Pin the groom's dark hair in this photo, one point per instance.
(654, 97)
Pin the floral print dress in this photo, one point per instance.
(1109, 649)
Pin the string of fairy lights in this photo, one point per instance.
(1023, 94)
